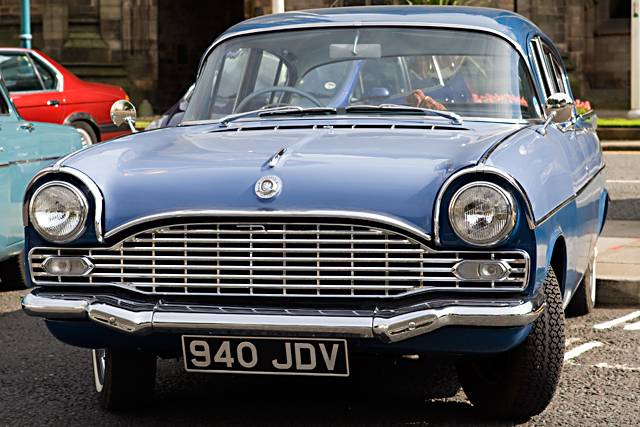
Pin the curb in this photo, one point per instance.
(618, 291)
(620, 146)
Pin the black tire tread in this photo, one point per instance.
(530, 372)
(12, 273)
(130, 378)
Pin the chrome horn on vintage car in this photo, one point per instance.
(123, 111)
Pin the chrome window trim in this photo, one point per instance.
(510, 202)
(59, 77)
(82, 177)
(83, 201)
(360, 24)
(58, 74)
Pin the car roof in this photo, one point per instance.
(508, 24)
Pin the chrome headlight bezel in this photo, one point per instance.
(82, 224)
(509, 225)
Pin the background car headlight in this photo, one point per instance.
(482, 213)
(58, 211)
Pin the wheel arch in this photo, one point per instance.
(558, 261)
(84, 117)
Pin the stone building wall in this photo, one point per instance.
(152, 47)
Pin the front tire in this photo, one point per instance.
(584, 298)
(124, 379)
(12, 273)
(520, 383)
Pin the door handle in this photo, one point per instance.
(53, 103)
(26, 126)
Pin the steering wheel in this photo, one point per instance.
(287, 89)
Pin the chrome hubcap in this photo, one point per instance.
(86, 139)
(99, 365)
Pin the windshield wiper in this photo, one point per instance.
(299, 111)
(396, 108)
(277, 111)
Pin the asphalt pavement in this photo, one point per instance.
(44, 382)
(623, 182)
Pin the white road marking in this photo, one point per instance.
(620, 367)
(624, 181)
(632, 327)
(619, 320)
(581, 349)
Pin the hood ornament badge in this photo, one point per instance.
(268, 187)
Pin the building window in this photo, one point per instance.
(619, 9)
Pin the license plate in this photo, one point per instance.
(266, 355)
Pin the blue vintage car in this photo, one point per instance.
(345, 182)
(24, 149)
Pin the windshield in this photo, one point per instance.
(469, 73)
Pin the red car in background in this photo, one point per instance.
(45, 91)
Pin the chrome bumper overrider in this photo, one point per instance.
(388, 325)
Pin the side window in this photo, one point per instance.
(550, 69)
(230, 80)
(556, 70)
(49, 80)
(18, 72)
(272, 72)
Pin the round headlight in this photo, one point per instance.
(58, 211)
(482, 214)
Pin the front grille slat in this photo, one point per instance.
(279, 259)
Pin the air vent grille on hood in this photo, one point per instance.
(340, 126)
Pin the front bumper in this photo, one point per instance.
(387, 325)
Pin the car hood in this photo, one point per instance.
(370, 168)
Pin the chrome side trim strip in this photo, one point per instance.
(571, 198)
(27, 161)
(387, 325)
(359, 24)
(82, 177)
(365, 216)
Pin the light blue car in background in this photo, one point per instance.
(25, 148)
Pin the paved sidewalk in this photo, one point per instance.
(618, 269)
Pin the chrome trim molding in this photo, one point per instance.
(83, 201)
(480, 169)
(570, 199)
(359, 24)
(531, 221)
(388, 326)
(504, 234)
(218, 213)
(82, 177)
(59, 77)
(27, 161)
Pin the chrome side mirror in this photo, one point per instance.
(562, 105)
(122, 111)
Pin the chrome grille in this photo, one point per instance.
(285, 259)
